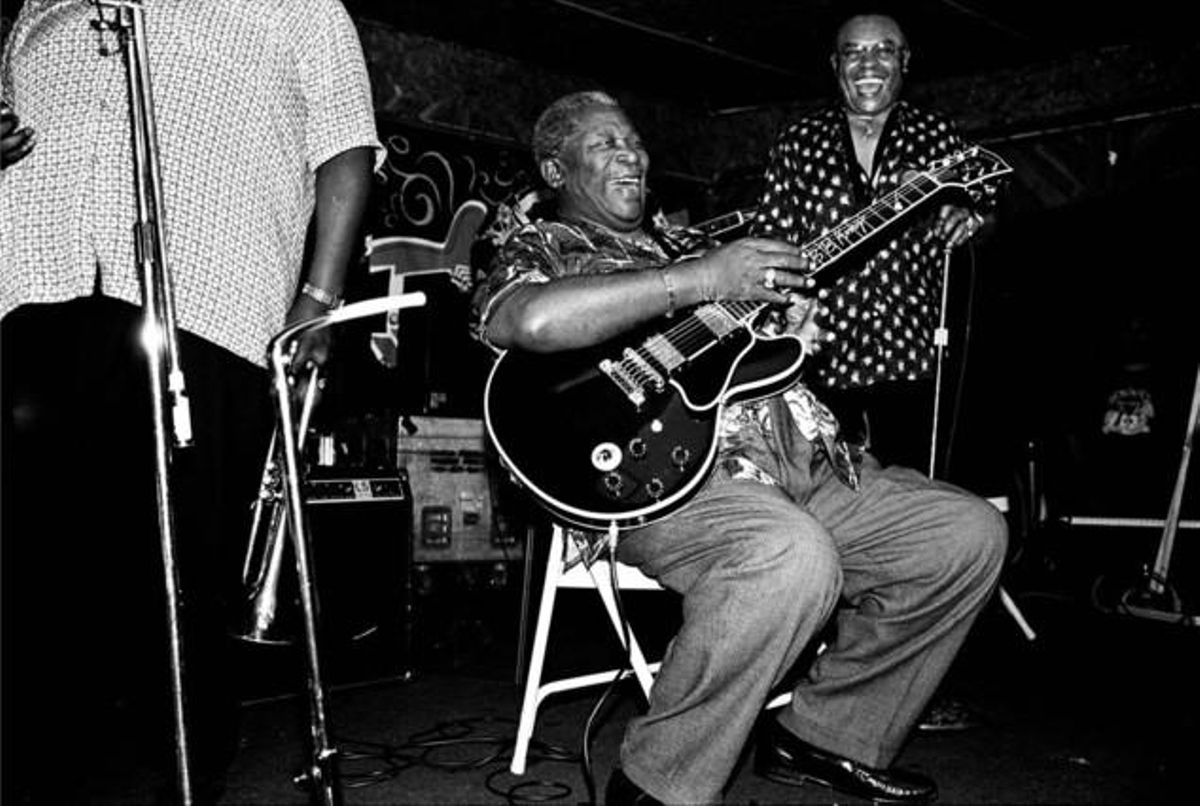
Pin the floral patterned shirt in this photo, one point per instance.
(883, 312)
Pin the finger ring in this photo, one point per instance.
(769, 279)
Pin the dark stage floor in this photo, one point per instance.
(1100, 708)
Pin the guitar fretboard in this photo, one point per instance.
(830, 247)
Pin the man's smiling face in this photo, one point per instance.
(869, 61)
(604, 171)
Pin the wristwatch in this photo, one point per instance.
(326, 298)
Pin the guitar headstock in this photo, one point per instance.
(968, 167)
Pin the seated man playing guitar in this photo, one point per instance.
(649, 383)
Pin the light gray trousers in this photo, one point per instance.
(762, 569)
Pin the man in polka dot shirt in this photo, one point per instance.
(880, 314)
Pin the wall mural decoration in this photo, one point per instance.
(439, 201)
(428, 174)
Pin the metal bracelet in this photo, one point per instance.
(326, 298)
(669, 284)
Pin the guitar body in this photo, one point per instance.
(592, 456)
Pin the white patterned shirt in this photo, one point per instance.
(250, 97)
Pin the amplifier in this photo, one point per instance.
(454, 517)
(320, 491)
(360, 527)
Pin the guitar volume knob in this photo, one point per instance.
(637, 448)
(614, 484)
(680, 456)
(655, 488)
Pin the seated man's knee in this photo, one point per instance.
(793, 565)
(981, 534)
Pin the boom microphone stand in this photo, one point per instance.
(159, 336)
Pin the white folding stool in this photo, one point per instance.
(597, 576)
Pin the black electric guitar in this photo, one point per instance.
(622, 433)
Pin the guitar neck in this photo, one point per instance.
(829, 248)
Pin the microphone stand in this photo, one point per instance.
(941, 337)
(159, 336)
(321, 773)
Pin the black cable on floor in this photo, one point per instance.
(421, 749)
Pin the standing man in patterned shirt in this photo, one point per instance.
(266, 131)
(876, 372)
(780, 532)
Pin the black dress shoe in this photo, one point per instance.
(623, 792)
(785, 758)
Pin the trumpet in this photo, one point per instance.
(262, 566)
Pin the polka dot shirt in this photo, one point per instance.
(882, 312)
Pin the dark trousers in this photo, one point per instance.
(84, 607)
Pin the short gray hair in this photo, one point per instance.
(560, 121)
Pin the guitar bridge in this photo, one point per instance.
(632, 375)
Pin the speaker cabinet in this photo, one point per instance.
(454, 513)
(360, 528)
